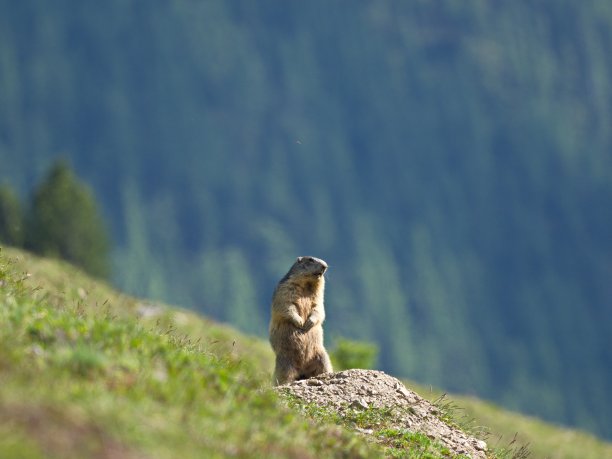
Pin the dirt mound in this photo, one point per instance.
(351, 390)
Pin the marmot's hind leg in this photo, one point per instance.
(284, 372)
(320, 364)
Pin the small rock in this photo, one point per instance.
(480, 445)
(359, 404)
(148, 310)
(403, 391)
(314, 382)
(37, 350)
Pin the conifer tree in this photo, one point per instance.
(11, 218)
(64, 222)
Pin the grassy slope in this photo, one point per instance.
(88, 372)
(544, 440)
(80, 377)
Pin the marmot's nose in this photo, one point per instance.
(322, 262)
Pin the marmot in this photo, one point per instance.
(296, 332)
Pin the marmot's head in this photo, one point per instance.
(306, 267)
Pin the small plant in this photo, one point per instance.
(348, 354)
(81, 360)
(403, 443)
(449, 412)
(371, 418)
(513, 450)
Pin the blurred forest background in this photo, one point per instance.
(452, 161)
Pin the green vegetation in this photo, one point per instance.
(509, 430)
(422, 446)
(347, 354)
(64, 222)
(11, 217)
(450, 160)
(83, 377)
(508, 433)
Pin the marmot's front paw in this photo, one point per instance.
(307, 325)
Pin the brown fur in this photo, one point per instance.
(296, 332)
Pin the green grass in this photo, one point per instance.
(86, 371)
(508, 432)
(82, 376)
(420, 445)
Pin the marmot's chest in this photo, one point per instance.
(304, 306)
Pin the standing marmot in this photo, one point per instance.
(296, 333)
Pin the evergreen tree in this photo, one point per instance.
(11, 217)
(64, 222)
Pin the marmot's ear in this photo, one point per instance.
(299, 259)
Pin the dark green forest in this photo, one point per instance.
(451, 161)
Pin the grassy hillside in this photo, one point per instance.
(544, 440)
(89, 372)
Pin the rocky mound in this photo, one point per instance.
(351, 390)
